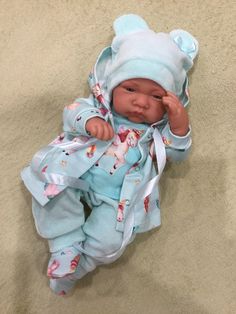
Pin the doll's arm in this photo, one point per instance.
(177, 115)
(76, 115)
(177, 132)
(177, 147)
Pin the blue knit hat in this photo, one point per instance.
(139, 52)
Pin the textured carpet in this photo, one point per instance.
(47, 49)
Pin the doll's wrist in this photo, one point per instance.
(180, 131)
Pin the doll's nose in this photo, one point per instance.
(141, 101)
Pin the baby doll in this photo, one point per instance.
(113, 150)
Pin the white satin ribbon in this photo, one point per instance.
(58, 179)
(74, 145)
(55, 178)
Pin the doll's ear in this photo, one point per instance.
(129, 23)
(186, 42)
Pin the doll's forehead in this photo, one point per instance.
(144, 83)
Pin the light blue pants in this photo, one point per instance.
(62, 222)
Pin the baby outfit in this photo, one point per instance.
(116, 178)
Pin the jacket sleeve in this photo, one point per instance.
(177, 147)
(76, 115)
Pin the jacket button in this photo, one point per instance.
(137, 168)
(127, 202)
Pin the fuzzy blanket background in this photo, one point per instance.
(47, 49)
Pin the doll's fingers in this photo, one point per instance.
(166, 102)
(94, 131)
(171, 103)
(172, 109)
(169, 98)
(108, 132)
(172, 95)
(105, 133)
(111, 132)
(101, 132)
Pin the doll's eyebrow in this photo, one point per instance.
(132, 84)
(129, 84)
(156, 92)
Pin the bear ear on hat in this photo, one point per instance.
(129, 23)
(186, 42)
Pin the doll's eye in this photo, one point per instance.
(158, 97)
(130, 89)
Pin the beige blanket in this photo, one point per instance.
(47, 49)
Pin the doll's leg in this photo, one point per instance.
(60, 222)
(102, 239)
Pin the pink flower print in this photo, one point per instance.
(120, 215)
(90, 151)
(59, 139)
(81, 139)
(74, 263)
(103, 111)
(166, 141)
(98, 93)
(51, 190)
(146, 203)
(63, 163)
(73, 129)
(96, 90)
(55, 264)
(101, 99)
(132, 168)
(73, 106)
(44, 169)
(62, 292)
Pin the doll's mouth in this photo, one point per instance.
(135, 114)
(135, 117)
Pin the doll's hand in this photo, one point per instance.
(177, 115)
(100, 129)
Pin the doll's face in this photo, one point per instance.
(139, 100)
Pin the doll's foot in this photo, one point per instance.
(63, 262)
(62, 286)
